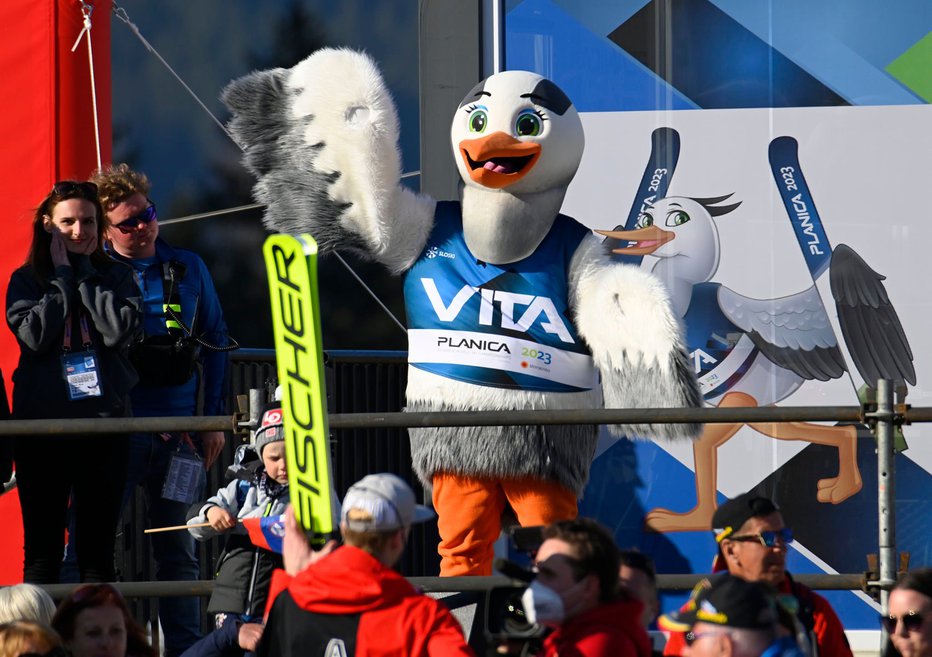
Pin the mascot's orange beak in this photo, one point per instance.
(647, 240)
(498, 160)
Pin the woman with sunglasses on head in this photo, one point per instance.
(74, 312)
(94, 621)
(909, 616)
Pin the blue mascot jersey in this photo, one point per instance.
(721, 352)
(508, 326)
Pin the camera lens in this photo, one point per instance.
(515, 621)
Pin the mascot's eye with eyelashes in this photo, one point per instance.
(645, 220)
(478, 119)
(530, 123)
(677, 218)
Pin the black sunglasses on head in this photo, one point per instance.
(148, 215)
(71, 187)
(912, 621)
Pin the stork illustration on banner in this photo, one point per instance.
(750, 352)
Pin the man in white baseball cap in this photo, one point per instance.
(349, 600)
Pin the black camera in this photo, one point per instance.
(508, 630)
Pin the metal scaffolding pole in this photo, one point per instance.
(886, 492)
(469, 419)
(599, 416)
(665, 582)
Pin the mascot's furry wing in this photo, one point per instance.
(322, 140)
(625, 315)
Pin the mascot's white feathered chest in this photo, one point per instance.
(510, 305)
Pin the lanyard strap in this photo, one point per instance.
(85, 332)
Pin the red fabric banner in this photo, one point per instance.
(47, 132)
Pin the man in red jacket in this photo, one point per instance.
(752, 543)
(349, 601)
(576, 593)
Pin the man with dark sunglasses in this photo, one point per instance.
(752, 540)
(130, 226)
(178, 377)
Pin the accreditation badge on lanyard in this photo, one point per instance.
(185, 478)
(79, 368)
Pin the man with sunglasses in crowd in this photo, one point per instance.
(179, 377)
(752, 542)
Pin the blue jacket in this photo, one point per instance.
(222, 642)
(201, 312)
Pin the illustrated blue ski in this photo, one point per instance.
(810, 234)
(664, 154)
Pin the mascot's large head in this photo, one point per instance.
(518, 132)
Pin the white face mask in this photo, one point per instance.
(542, 605)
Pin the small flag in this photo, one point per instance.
(266, 532)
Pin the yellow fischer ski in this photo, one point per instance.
(291, 265)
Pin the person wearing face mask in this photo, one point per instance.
(74, 312)
(576, 594)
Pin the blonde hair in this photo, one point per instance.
(26, 602)
(372, 542)
(17, 637)
(117, 182)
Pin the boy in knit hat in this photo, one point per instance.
(259, 488)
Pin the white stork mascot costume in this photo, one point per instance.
(510, 304)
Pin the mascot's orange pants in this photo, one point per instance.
(469, 511)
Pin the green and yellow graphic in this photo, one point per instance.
(291, 264)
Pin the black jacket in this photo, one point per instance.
(108, 297)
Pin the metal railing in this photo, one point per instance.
(400, 420)
(821, 582)
(883, 416)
